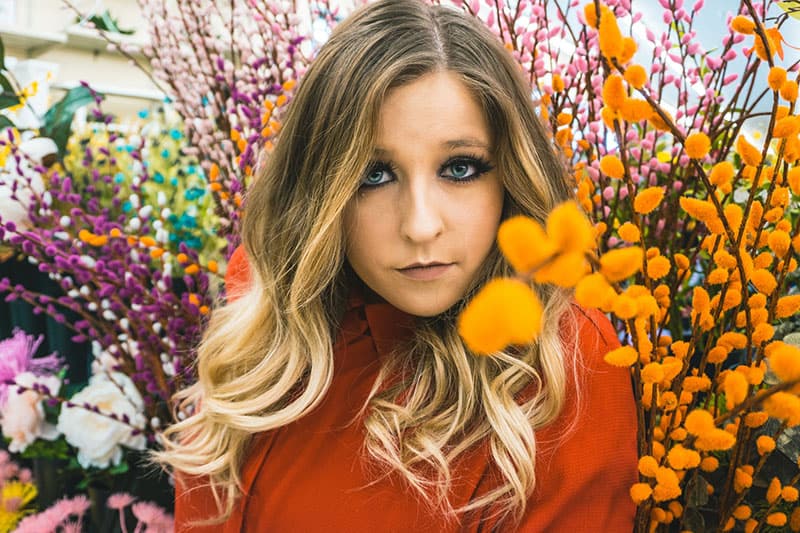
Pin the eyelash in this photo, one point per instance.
(482, 166)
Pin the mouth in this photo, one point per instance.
(425, 271)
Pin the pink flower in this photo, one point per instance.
(119, 500)
(17, 356)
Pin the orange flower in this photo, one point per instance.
(763, 333)
(776, 78)
(611, 44)
(668, 485)
(566, 270)
(776, 519)
(735, 388)
(558, 83)
(789, 91)
(681, 261)
(755, 419)
(764, 281)
(614, 92)
(704, 211)
(681, 458)
(635, 110)
(785, 362)
(629, 232)
(742, 24)
(590, 13)
(648, 466)
(658, 267)
(659, 123)
(699, 422)
(652, 373)
(636, 76)
(749, 153)
(793, 178)
(790, 494)
(765, 444)
(787, 306)
(696, 384)
(721, 173)
(709, 464)
(697, 145)
(569, 229)
(628, 50)
(779, 242)
(786, 127)
(616, 265)
(774, 43)
(505, 311)
(622, 356)
(524, 243)
(612, 167)
(640, 492)
(784, 406)
(715, 440)
(648, 199)
(625, 308)
(717, 276)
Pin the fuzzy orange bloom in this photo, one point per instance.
(742, 24)
(622, 356)
(616, 265)
(790, 494)
(784, 406)
(735, 388)
(762, 333)
(776, 519)
(558, 83)
(786, 127)
(612, 167)
(591, 15)
(704, 211)
(594, 291)
(636, 76)
(749, 153)
(192, 269)
(779, 242)
(755, 419)
(629, 232)
(625, 307)
(715, 440)
(765, 444)
(776, 78)
(635, 110)
(699, 422)
(648, 199)
(569, 229)
(733, 340)
(763, 280)
(566, 270)
(629, 48)
(648, 466)
(709, 464)
(668, 485)
(718, 354)
(652, 373)
(789, 91)
(725, 260)
(697, 145)
(659, 123)
(658, 267)
(681, 261)
(785, 362)
(640, 492)
(717, 276)
(774, 44)
(787, 306)
(505, 311)
(721, 173)
(614, 92)
(524, 243)
(696, 383)
(611, 44)
(681, 458)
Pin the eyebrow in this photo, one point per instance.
(467, 142)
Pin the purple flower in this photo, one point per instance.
(17, 356)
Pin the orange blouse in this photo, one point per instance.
(309, 476)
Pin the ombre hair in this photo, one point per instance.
(266, 358)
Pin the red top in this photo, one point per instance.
(309, 476)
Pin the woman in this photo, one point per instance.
(334, 392)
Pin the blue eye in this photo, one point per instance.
(466, 168)
(378, 174)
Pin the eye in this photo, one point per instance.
(378, 174)
(465, 168)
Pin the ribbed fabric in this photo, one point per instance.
(311, 476)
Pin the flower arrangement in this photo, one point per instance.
(16, 492)
(689, 167)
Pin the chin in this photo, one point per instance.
(426, 307)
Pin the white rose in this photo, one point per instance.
(98, 438)
(16, 211)
(22, 417)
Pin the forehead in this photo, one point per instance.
(437, 108)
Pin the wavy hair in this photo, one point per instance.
(266, 358)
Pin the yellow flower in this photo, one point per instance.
(611, 44)
(658, 267)
(783, 406)
(505, 311)
(793, 178)
(648, 199)
(749, 153)
(622, 356)
(524, 243)
(721, 173)
(629, 232)
(776, 78)
(619, 264)
(762, 333)
(635, 109)
(590, 13)
(681, 458)
(765, 444)
(636, 76)
(681, 261)
(699, 422)
(735, 388)
(755, 419)
(697, 145)
(742, 24)
(787, 306)
(652, 373)
(785, 362)
(786, 127)
(704, 211)
(668, 485)
(718, 354)
(715, 440)
(595, 291)
(732, 340)
(717, 276)
(625, 307)
(566, 270)
(709, 464)
(640, 492)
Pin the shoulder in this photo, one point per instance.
(590, 333)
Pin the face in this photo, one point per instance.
(427, 211)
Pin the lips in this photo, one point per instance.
(425, 271)
(424, 265)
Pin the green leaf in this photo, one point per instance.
(697, 491)
(5, 122)
(8, 99)
(121, 468)
(791, 8)
(6, 85)
(2, 55)
(692, 520)
(58, 119)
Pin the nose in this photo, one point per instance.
(420, 212)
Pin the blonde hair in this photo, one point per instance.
(266, 358)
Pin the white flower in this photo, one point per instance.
(22, 416)
(16, 211)
(98, 438)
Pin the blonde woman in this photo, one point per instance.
(334, 391)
